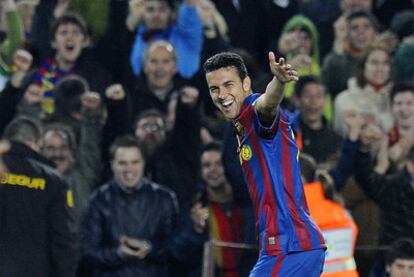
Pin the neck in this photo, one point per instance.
(64, 64)
(128, 189)
(313, 124)
(221, 194)
(406, 130)
(161, 93)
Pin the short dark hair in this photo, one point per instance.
(362, 13)
(401, 87)
(226, 59)
(69, 18)
(68, 92)
(23, 129)
(304, 81)
(402, 248)
(149, 113)
(170, 3)
(212, 146)
(126, 141)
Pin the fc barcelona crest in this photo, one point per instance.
(246, 153)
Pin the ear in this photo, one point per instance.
(86, 42)
(247, 84)
(53, 44)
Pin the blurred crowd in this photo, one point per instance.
(118, 163)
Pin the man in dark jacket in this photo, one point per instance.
(128, 225)
(35, 219)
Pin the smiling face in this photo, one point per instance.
(403, 109)
(212, 170)
(68, 42)
(160, 67)
(228, 91)
(55, 147)
(128, 166)
(377, 67)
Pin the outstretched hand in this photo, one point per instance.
(283, 71)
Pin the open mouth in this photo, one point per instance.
(69, 47)
(129, 177)
(227, 103)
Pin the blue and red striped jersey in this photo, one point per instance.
(270, 161)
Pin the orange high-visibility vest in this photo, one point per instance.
(339, 231)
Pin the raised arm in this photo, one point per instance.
(268, 103)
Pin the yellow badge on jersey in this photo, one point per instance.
(69, 198)
(246, 153)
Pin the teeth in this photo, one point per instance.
(129, 176)
(227, 103)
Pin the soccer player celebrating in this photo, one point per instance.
(290, 242)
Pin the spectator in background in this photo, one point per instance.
(216, 215)
(11, 95)
(313, 132)
(36, 233)
(13, 41)
(80, 163)
(157, 23)
(352, 41)
(401, 136)
(368, 93)
(173, 157)
(129, 221)
(392, 192)
(244, 18)
(215, 29)
(68, 93)
(72, 138)
(400, 258)
(95, 12)
(69, 40)
(337, 226)
(26, 10)
(299, 44)
(323, 14)
(159, 80)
